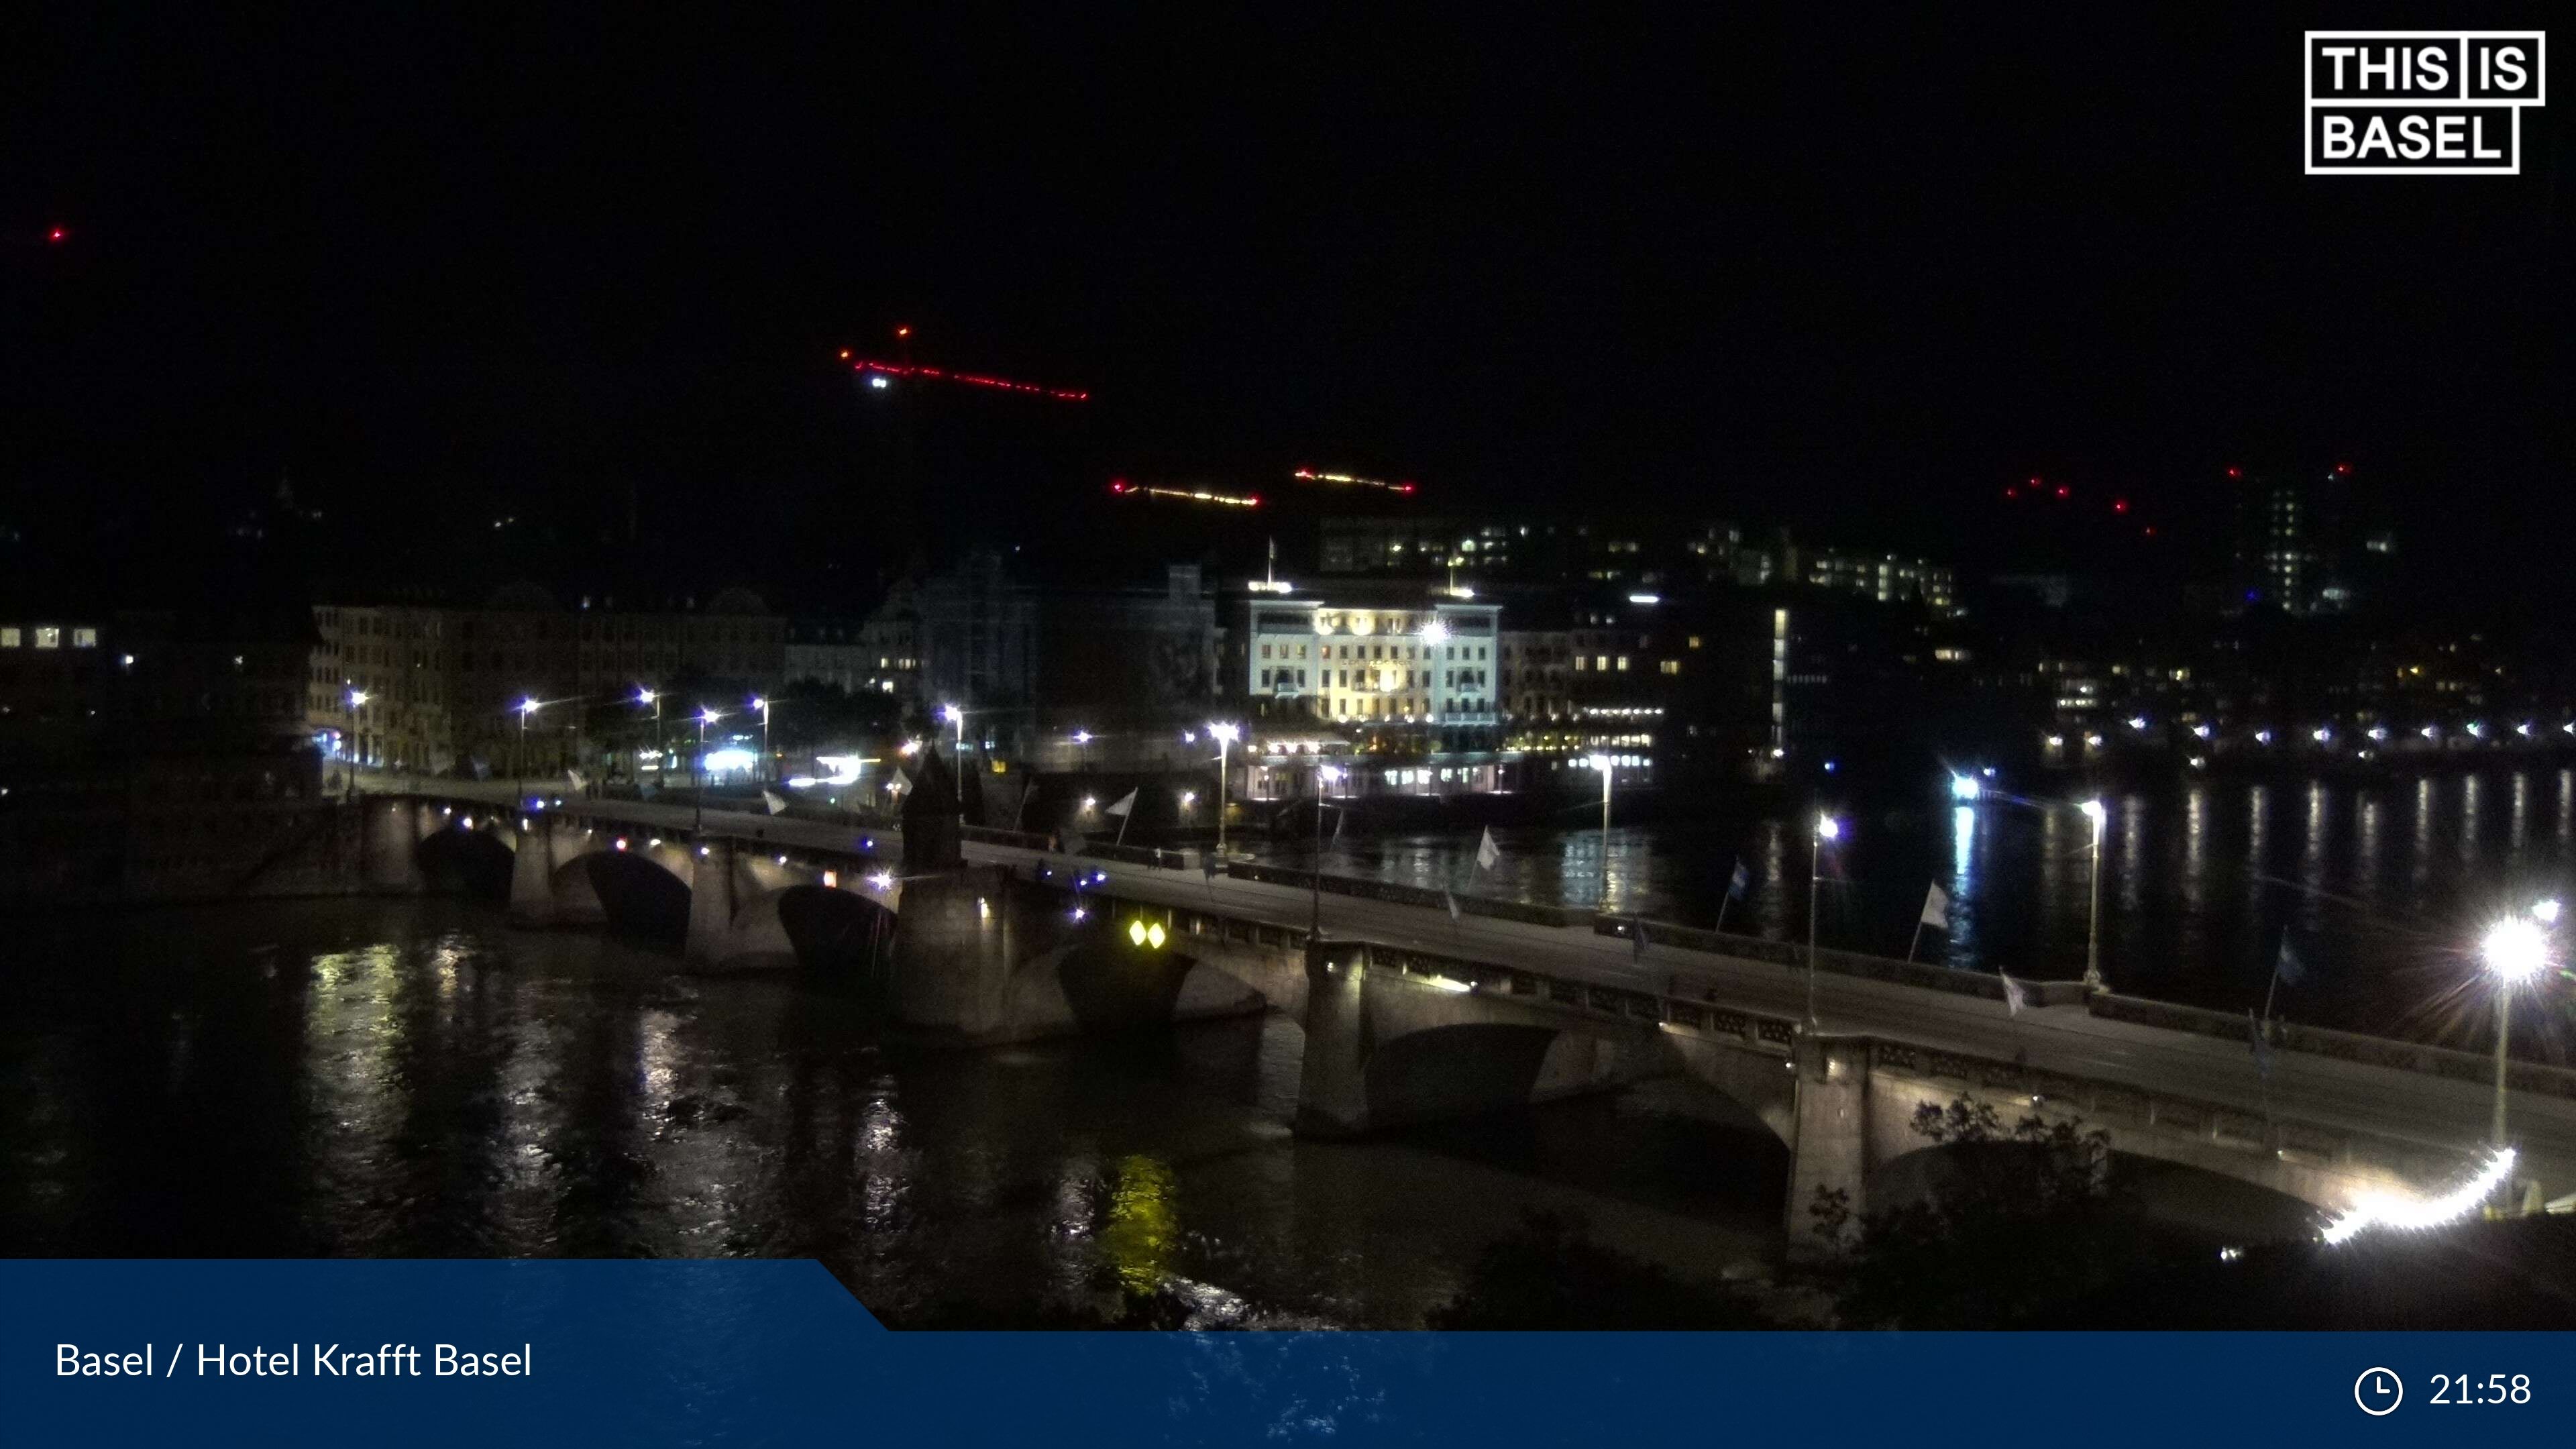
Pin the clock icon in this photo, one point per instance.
(2378, 1392)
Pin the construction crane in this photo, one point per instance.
(881, 374)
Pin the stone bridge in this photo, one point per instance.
(1026, 944)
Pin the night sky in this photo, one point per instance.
(1786, 266)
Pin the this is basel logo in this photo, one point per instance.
(2421, 102)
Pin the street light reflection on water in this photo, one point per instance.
(411, 1078)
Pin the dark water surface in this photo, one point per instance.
(414, 1078)
(2384, 887)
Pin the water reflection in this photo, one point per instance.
(414, 1079)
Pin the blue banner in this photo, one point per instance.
(484, 1354)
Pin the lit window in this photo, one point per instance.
(9, 638)
(84, 638)
(48, 637)
(1623, 661)
(1671, 666)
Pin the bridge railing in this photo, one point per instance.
(1842, 963)
(2375, 1051)
(1136, 855)
(1379, 890)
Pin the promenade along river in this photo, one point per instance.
(414, 1078)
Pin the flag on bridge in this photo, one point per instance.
(1486, 851)
(1126, 805)
(1739, 882)
(1452, 902)
(2287, 966)
(1936, 909)
(2261, 1041)
(777, 803)
(577, 781)
(2016, 995)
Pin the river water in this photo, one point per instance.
(2383, 888)
(415, 1078)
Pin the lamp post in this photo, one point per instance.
(1324, 775)
(349, 765)
(698, 766)
(1082, 743)
(2095, 813)
(652, 697)
(1604, 764)
(527, 707)
(1827, 828)
(957, 717)
(762, 705)
(1226, 735)
(2515, 948)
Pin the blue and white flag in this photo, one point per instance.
(2287, 966)
(1486, 851)
(1737, 883)
(2016, 995)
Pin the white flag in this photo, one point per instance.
(777, 802)
(1126, 804)
(1487, 852)
(2016, 995)
(577, 780)
(1936, 909)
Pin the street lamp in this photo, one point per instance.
(527, 707)
(1827, 828)
(653, 698)
(1604, 763)
(1324, 775)
(953, 715)
(2094, 812)
(698, 767)
(762, 705)
(349, 766)
(1965, 789)
(1082, 743)
(1226, 734)
(2516, 948)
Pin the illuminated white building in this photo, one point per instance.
(1428, 663)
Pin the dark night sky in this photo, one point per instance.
(1782, 265)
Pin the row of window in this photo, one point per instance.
(47, 636)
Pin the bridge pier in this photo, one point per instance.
(711, 902)
(1332, 1085)
(389, 836)
(952, 952)
(1829, 1149)
(532, 872)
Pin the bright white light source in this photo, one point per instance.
(878, 381)
(1434, 632)
(2545, 912)
(2093, 811)
(2515, 949)
(2137, 722)
(2379, 1210)
(721, 762)
(882, 880)
(2321, 734)
(2201, 730)
(1828, 828)
(1964, 787)
(1227, 732)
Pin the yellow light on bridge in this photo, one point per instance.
(1146, 933)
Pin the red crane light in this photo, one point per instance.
(904, 369)
(2343, 467)
(2012, 493)
(2065, 492)
(2119, 505)
(2234, 473)
(56, 235)
(903, 331)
